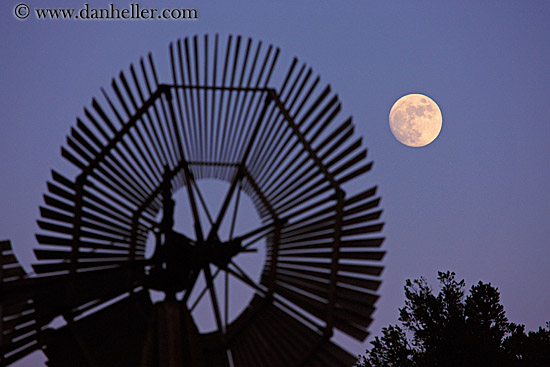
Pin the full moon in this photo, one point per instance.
(415, 120)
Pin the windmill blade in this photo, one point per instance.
(270, 330)
(19, 327)
(310, 267)
(29, 304)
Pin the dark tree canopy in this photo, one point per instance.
(453, 329)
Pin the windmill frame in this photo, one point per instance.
(275, 145)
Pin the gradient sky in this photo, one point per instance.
(476, 201)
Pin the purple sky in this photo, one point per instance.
(476, 201)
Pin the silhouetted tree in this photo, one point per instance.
(451, 330)
(532, 349)
(391, 350)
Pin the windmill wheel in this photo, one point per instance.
(217, 117)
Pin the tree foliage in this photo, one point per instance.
(453, 329)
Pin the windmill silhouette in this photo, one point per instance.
(217, 118)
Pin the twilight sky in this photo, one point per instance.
(476, 201)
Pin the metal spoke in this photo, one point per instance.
(226, 315)
(237, 199)
(267, 228)
(243, 277)
(190, 181)
(203, 292)
(254, 241)
(214, 230)
(203, 203)
(191, 286)
(214, 299)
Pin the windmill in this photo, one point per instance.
(218, 116)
